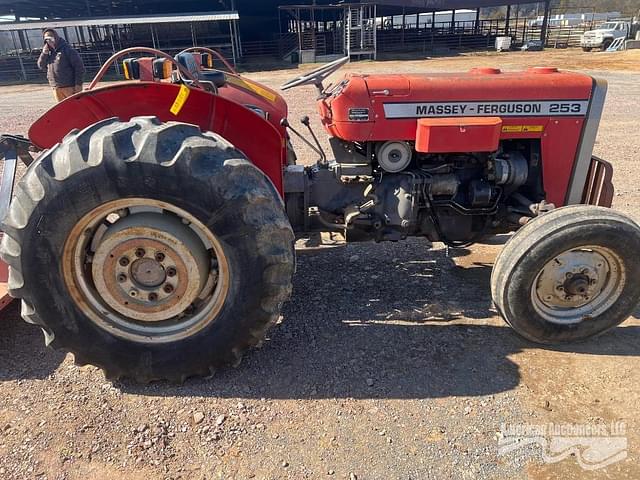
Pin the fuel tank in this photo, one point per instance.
(261, 99)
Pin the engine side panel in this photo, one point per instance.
(539, 103)
(265, 146)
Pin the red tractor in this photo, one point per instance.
(153, 236)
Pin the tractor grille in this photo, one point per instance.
(599, 189)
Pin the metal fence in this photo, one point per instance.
(21, 67)
(469, 36)
(443, 36)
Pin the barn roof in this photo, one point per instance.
(91, 8)
(126, 20)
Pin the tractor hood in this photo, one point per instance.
(375, 107)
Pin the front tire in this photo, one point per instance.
(569, 275)
(151, 250)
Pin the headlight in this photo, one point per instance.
(259, 111)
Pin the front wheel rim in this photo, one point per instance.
(145, 270)
(578, 285)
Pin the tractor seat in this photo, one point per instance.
(188, 61)
(218, 78)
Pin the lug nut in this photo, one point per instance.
(122, 278)
(140, 252)
(153, 297)
(171, 272)
(133, 293)
(569, 275)
(160, 257)
(124, 261)
(168, 288)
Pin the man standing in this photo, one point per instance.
(63, 65)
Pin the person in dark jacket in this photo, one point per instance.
(63, 65)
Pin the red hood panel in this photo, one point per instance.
(479, 85)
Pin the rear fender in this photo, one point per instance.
(258, 139)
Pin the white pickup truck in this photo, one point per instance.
(603, 36)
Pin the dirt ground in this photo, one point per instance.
(390, 362)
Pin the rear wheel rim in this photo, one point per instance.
(146, 271)
(578, 285)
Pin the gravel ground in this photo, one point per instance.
(390, 362)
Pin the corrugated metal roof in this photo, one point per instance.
(447, 4)
(127, 20)
(421, 5)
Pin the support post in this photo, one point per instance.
(233, 42)
(238, 38)
(299, 26)
(507, 20)
(477, 24)
(194, 42)
(24, 72)
(545, 23)
(23, 41)
(112, 33)
(375, 32)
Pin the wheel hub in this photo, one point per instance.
(150, 267)
(577, 285)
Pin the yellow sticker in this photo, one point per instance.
(254, 87)
(512, 129)
(522, 128)
(181, 99)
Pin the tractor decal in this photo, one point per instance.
(506, 109)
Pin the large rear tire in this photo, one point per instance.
(569, 275)
(151, 250)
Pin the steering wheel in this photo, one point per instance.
(317, 76)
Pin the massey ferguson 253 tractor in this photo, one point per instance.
(153, 235)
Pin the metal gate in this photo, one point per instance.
(360, 31)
